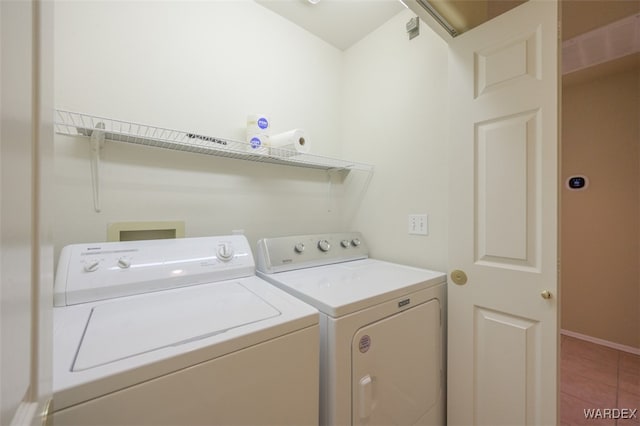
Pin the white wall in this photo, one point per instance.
(202, 67)
(196, 65)
(199, 67)
(395, 116)
(26, 255)
(16, 206)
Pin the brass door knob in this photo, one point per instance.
(459, 277)
(546, 294)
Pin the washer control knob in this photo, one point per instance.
(345, 243)
(324, 245)
(299, 248)
(124, 263)
(225, 252)
(91, 265)
(355, 242)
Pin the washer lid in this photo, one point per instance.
(125, 328)
(342, 288)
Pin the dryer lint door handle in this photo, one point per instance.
(366, 390)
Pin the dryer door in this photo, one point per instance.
(397, 369)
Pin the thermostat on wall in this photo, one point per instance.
(577, 183)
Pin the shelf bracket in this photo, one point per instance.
(329, 183)
(330, 187)
(97, 142)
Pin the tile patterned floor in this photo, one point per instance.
(597, 377)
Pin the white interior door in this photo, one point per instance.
(503, 329)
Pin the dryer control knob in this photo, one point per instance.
(225, 252)
(299, 248)
(91, 265)
(324, 245)
(355, 242)
(345, 243)
(124, 263)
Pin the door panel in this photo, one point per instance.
(507, 347)
(506, 165)
(502, 341)
(517, 57)
(397, 367)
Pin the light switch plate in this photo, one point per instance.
(418, 224)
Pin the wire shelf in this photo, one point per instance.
(79, 124)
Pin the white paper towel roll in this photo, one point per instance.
(258, 143)
(258, 123)
(289, 143)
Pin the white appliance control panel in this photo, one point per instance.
(90, 272)
(305, 251)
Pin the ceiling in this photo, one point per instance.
(339, 22)
(344, 22)
(581, 16)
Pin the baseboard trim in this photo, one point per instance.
(613, 345)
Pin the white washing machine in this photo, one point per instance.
(382, 328)
(179, 332)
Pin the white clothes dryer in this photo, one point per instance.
(179, 332)
(382, 328)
